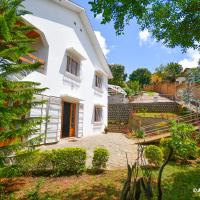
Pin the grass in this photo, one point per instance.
(156, 115)
(150, 93)
(178, 184)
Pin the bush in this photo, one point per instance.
(165, 143)
(69, 160)
(58, 162)
(198, 152)
(139, 134)
(100, 159)
(187, 149)
(153, 154)
(27, 161)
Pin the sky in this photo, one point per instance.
(135, 48)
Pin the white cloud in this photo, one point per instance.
(192, 59)
(144, 36)
(99, 17)
(102, 42)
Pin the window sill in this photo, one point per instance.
(100, 123)
(100, 90)
(73, 77)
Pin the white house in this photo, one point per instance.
(74, 69)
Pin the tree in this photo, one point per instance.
(119, 75)
(16, 97)
(155, 78)
(175, 23)
(169, 72)
(194, 75)
(142, 75)
(132, 88)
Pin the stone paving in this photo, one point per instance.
(116, 143)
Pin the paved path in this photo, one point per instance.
(150, 98)
(117, 144)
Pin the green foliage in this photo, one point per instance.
(16, 97)
(56, 162)
(198, 152)
(27, 161)
(169, 72)
(68, 160)
(132, 88)
(139, 134)
(154, 155)
(142, 75)
(10, 171)
(119, 75)
(100, 159)
(182, 140)
(174, 23)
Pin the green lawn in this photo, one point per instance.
(178, 184)
(156, 115)
(150, 93)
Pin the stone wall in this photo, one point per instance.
(121, 112)
(118, 127)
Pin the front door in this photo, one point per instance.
(69, 120)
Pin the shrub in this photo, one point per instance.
(10, 171)
(60, 161)
(153, 154)
(27, 161)
(187, 149)
(165, 143)
(100, 159)
(198, 152)
(69, 160)
(139, 134)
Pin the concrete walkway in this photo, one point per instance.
(116, 143)
(151, 98)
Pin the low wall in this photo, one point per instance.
(118, 127)
(121, 112)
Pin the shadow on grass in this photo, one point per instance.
(181, 186)
(97, 192)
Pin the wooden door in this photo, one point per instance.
(72, 120)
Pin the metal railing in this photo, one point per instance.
(164, 126)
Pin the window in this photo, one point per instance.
(98, 81)
(73, 67)
(97, 114)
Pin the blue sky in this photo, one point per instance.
(135, 49)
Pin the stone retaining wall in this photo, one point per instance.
(118, 127)
(121, 112)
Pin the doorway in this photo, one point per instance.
(69, 120)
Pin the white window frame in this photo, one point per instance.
(98, 114)
(98, 81)
(70, 68)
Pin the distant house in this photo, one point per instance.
(116, 95)
(182, 78)
(74, 69)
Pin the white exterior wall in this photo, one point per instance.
(57, 25)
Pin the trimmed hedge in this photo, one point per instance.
(56, 162)
(154, 155)
(100, 159)
(69, 160)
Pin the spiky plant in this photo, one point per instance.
(16, 97)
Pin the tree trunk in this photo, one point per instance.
(160, 174)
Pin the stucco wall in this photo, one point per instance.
(62, 30)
